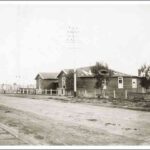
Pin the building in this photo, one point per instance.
(46, 81)
(118, 85)
(62, 82)
(6, 88)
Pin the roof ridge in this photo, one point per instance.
(47, 75)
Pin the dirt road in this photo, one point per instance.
(54, 122)
(7, 137)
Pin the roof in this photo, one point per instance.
(86, 72)
(47, 75)
(118, 74)
(65, 71)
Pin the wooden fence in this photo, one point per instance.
(141, 96)
(125, 94)
(30, 91)
(47, 92)
(105, 93)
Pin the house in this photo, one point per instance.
(62, 81)
(46, 81)
(118, 85)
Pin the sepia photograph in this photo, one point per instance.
(74, 74)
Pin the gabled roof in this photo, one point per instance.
(86, 72)
(47, 75)
(65, 71)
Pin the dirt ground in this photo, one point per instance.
(52, 122)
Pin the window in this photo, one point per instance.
(134, 83)
(120, 82)
(63, 82)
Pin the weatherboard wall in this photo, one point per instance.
(86, 86)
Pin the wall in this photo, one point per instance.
(60, 80)
(46, 84)
(86, 87)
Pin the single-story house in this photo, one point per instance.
(62, 81)
(118, 85)
(46, 81)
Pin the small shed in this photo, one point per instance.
(46, 80)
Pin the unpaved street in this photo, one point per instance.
(52, 122)
(6, 138)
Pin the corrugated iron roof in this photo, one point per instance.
(117, 74)
(86, 72)
(47, 75)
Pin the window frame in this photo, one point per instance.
(63, 81)
(134, 86)
(120, 85)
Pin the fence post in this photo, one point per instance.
(51, 91)
(104, 93)
(45, 91)
(27, 91)
(95, 93)
(23, 91)
(114, 93)
(126, 94)
(85, 93)
(56, 92)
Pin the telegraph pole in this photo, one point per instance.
(72, 38)
(18, 45)
(75, 82)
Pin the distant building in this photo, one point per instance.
(119, 82)
(46, 81)
(4, 88)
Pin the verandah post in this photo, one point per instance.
(114, 93)
(45, 91)
(85, 93)
(126, 94)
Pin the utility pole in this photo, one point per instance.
(18, 44)
(72, 39)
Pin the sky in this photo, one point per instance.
(35, 38)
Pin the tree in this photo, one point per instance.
(145, 83)
(70, 81)
(102, 74)
(144, 72)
